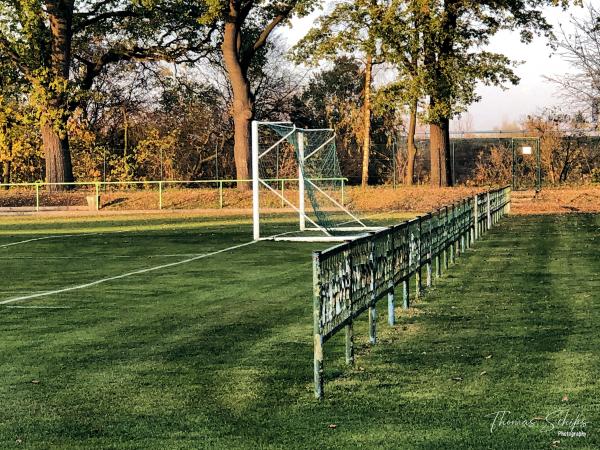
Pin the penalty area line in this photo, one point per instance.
(57, 236)
(124, 275)
(36, 307)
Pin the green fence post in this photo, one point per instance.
(37, 197)
(463, 234)
(350, 344)
(343, 192)
(391, 305)
(476, 218)
(97, 196)
(373, 324)
(282, 193)
(438, 262)
(220, 194)
(372, 306)
(452, 246)
(429, 252)
(489, 212)
(318, 337)
(539, 165)
(418, 274)
(160, 202)
(405, 281)
(446, 244)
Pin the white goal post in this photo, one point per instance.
(309, 229)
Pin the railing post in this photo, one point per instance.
(343, 192)
(405, 294)
(391, 305)
(438, 260)
(160, 200)
(350, 326)
(476, 217)
(282, 193)
(429, 251)
(37, 196)
(391, 294)
(489, 212)
(452, 246)
(350, 344)
(419, 273)
(405, 281)
(97, 196)
(446, 244)
(464, 237)
(220, 194)
(318, 337)
(373, 324)
(372, 306)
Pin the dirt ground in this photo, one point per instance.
(585, 199)
(417, 199)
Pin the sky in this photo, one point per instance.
(498, 108)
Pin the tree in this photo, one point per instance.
(332, 99)
(581, 48)
(351, 28)
(60, 47)
(246, 28)
(18, 147)
(402, 38)
(454, 31)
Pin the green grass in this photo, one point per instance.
(217, 353)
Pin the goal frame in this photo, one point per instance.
(305, 223)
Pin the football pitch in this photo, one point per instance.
(175, 331)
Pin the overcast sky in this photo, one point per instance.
(498, 107)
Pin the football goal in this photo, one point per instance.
(306, 161)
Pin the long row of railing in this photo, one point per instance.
(351, 278)
(96, 188)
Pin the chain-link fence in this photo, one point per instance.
(525, 162)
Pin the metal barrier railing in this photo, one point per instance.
(351, 278)
(97, 187)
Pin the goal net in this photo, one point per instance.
(297, 171)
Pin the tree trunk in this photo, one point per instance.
(6, 174)
(409, 176)
(367, 121)
(54, 129)
(440, 126)
(439, 148)
(58, 158)
(243, 104)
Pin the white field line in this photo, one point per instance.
(37, 307)
(57, 236)
(173, 255)
(125, 275)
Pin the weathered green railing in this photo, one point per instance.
(352, 277)
(96, 188)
